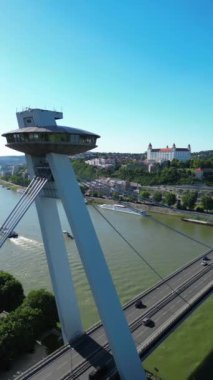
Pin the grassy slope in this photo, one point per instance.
(185, 349)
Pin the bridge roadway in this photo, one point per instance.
(163, 303)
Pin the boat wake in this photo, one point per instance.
(27, 243)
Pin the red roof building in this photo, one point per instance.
(168, 154)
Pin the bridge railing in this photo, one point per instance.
(167, 278)
(143, 348)
(149, 342)
(42, 363)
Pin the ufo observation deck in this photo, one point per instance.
(38, 134)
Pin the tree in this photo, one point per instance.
(175, 163)
(169, 175)
(18, 333)
(207, 202)
(7, 347)
(45, 301)
(157, 196)
(30, 323)
(179, 206)
(145, 194)
(11, 292)
(170, 198)
(115, 196)
(189, 199)
(83, 170)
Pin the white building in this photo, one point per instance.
(168, 154)
(102, 162)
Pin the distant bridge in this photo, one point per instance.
(165, 305)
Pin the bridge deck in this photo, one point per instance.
(163, 303)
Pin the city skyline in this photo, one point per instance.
(133, 72)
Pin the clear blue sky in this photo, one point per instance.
(133, 71)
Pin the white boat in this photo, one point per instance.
(21, 191)
(122, 208)
(68, 234)
(12, 234)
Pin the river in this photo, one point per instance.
(163, 248)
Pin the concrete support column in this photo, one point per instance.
(111, 313)
(58, 264)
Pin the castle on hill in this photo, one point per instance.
(168, 154)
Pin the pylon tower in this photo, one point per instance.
(47, 146)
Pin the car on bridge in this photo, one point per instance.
(139, 304)
(97, 373)
(148, 322)
(205, 258)
(204, 262)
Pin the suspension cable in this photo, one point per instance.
(180, 232)
(139, 254)
(169, 227)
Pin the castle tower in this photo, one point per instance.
(46, 146)
(149, 150)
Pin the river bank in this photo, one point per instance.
(172, 211)
(205, 217)
(10, 185)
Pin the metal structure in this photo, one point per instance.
(21, 208)
(46, 146)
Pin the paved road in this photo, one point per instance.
(162, 303)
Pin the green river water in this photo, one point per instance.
(164, 249)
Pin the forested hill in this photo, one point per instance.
(12, 160)
(204, 154)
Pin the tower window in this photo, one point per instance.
(28, 121)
